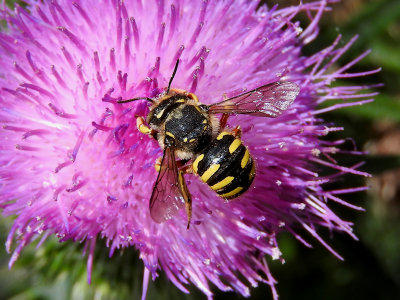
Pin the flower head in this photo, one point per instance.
(74, 165)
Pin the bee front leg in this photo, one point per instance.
(143, 128)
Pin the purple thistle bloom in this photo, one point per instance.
(74, 165)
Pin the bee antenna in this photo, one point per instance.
(137, 98)
(173, 75)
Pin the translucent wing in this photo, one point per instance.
(268, 100)
(166, 198)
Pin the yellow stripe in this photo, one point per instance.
(222, 183)
(235, 144)
(170, 134)
(222, 134)
(245, 159)
(196, 162)
(210, 171)
(180, 101)
(232, 193)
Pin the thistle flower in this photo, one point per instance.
(74, 165)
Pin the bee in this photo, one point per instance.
(190, 131)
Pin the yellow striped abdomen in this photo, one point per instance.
(226, 166)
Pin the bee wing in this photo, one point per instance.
(269, 100)
(166, 198)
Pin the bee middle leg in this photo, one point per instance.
(181, 165)
(182, 170)
(222, 122)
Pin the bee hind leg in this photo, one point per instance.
(186, 196)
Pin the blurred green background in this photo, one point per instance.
(371, 269)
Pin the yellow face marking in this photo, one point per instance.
(210, 172)
(192, 140)
(235, 144)
(185, 140)
(222, 134)
(196, 162)
(170, 134)
(222, 183)
(205, 127)
(232, 193)
(159, 115)
(245, 159)
(204, 121)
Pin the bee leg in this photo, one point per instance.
(186, 195)
(193, 97)
(222, 122)
(237, 132)
(140, 124)
(187, 169)
(188, 207)
(157, 164)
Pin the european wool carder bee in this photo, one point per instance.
(190, 131)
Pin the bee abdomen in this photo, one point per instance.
(226, 166)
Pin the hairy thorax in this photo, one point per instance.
(183, 124)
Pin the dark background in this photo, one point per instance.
(371, 269)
